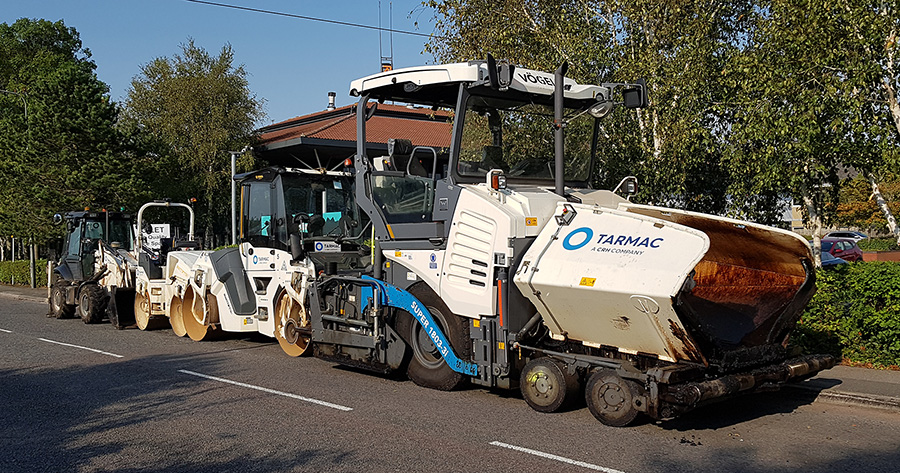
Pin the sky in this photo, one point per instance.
(291, 63)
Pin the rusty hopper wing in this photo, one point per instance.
(748, 291)
(677, 285)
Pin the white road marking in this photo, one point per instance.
(83, 348)
(5, 331)
(558, 458)
(270, 391)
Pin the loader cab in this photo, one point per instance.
(318, 206)
(84, 230)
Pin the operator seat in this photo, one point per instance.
(400, 152)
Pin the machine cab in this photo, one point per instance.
(503, 124)
(83, 232)
(317, 208)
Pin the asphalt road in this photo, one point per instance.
(149, 401)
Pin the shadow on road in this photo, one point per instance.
(139, 415)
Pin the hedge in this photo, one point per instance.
(878, 244)
(19, 272)
(855, 314)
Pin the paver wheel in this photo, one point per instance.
(547, 386)
(612, 399)
(142, 316)
(176, 316)
(426, 366)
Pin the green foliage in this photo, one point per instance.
(808, 99)
(855, 314)
(679, 47)
(224, 247)
(878, 244)
(856, 207)
(65, 153)
(19, 272)
(753, 100)
(193, 109)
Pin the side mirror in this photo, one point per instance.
(628, 186)
(57, 219)
(499, 76)
(636, 97)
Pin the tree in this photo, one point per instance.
(872, 31)
(194, 108)
(678, 47)
(65, 152)
(805, 106)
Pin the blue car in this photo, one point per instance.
(830, 261)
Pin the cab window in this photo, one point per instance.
(257, 225)
(74, 246)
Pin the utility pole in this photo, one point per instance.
(32, 253)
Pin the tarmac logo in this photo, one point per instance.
(580, 237)
(588, 236)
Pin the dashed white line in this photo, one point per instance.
(81, 347)
(558, 458)
(270, 391)
(5, 331)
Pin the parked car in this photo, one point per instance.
(847, 235)
(842, 248)
(830, 261)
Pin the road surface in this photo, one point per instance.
(90, 398)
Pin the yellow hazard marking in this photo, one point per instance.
(390, 231)
(476, 323)
(398, 253)
(387, 264)
(501, 346)
(587, 282)
(530, 221)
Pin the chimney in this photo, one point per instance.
(331, 96)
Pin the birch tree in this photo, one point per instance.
(678, 47)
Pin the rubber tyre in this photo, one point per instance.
(92, 303)
(58, 307)
(547, 386)
(288, 308)
(611, 398)
(426, 366)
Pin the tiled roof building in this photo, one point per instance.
(330, 135)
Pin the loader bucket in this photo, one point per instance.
(120, 308)
(749, 289)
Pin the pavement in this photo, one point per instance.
(848, 385)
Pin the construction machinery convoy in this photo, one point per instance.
(494, 263)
